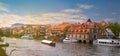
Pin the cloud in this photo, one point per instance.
(8, 19)
(46, 18)
(72, 10)
(85, 6)
(3, 7)
(107, 19)
(66, 15)
(63, 17)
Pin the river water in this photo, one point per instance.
(20, 47)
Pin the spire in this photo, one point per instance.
(88, 20)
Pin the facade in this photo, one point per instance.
(56, 30)
(85, 32)
(103, 26)
(18, 30)
(35, 30)
(39, 30)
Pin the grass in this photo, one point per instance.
(1, 40)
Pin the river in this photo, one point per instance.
(20, 47)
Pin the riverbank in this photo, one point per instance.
(52, 38)
(2, 52)
(1, 40)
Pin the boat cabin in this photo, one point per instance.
(108, 41)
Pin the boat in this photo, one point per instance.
(48, 42)
(3, 44)
(110, 39)
(27, 36)
(107, 42)
(68, 40)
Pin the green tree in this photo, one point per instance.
(1, 32)
(115, 27)
(66, 29)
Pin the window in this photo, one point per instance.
(84, 36)
(80, 30)
(85, 31)
(94, 36)
(76, 30)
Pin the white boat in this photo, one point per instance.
(48, 42)
(68, 40)
(27, 36)
(107, 42)
(4, 44)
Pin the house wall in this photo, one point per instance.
(93, 34)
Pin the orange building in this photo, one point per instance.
(18, 30)
(55, 30)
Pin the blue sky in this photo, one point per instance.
(57, 11)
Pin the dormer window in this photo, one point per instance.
(76, 30)
(85, 30)
(80, 30)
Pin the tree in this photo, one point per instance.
(1, 32)
(115, 27)
(66, 29)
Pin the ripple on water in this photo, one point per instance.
(35, 48)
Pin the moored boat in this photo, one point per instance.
(48, 42)
(68, 40)
(107, 42)
(3, 44)
(27, 36)
(110, 40)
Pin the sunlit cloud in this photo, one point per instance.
(65, 15)
(46, 18)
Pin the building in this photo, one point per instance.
(56, 30)
(18, 30)
(35, 30)
(85, 32)
(39, 30)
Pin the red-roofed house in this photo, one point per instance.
(85, 32)
(55, 30)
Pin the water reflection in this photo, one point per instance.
(35, 48)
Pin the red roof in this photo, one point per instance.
(79, 31)
(59, 27)
(37, 27)
(81, 28)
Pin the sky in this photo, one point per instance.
(57, 11)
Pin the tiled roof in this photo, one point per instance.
(37, 27)
(81, 28)
(19, 28)
(79, 31)
(56, 28)
(59, 27)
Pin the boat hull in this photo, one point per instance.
(106, 44)
(3, 44)
(48, 42)
(70, 41)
